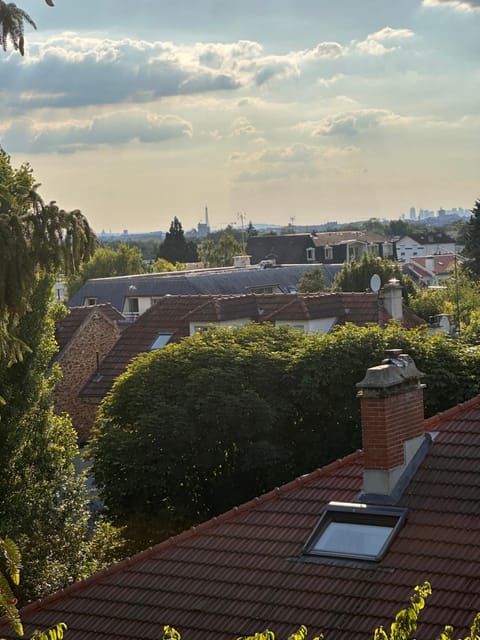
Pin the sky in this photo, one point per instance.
(271, 111)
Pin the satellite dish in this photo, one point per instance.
(375, 283)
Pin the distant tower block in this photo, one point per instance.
(206, 218)
(413, 213)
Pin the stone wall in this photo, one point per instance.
(78, 362)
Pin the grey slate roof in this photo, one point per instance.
(206, 281)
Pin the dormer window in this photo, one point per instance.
(310, 254)
(356, 531)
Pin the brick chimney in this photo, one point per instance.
(392, 421)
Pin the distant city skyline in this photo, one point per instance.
(306, 109)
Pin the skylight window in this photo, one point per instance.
(160, 341)
(354, 530)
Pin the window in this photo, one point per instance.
(133, 305)
(89, 302)
(328, 252)
(160, 341)
(310, 254)
(354, 530)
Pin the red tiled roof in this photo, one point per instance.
(66, 327)
(173, 314)
(244, 571)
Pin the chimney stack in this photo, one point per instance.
(392, 299)
(392, 421)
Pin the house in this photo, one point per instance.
(432, 271)
(84, 336)
(424, 244)
(329, 247)
(173, 318)
(338, 549)
(132, 295)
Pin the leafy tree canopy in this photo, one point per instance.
(356, 275)
(43, 502)
(12, 25)
(311, 281)
(34, 238)
(106, 263)
(199, 426)
(220, 253)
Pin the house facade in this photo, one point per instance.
(432, 271)
(338, 550)
(424, 244)
(331, 247)
(85, 336)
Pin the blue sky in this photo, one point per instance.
(311, 110)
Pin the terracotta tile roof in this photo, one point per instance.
(173, 314)
(244, 571)
(66, 327)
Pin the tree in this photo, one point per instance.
(472, 242)
(221, 252)
(169, 454)
(355, 276)
(161, 265)
(44, 505)
(107, 263)
(12, 20)
(256, 406)
(311, 281)
(34, 238)
(175, 248)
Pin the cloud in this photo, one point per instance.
(374, 43)
(468, 6)
(294, 153)
(120, 127)
(243, 127)
(72, 71)
(350, 123)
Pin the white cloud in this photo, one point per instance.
(469, 6)
(350, 123)
(374, 43)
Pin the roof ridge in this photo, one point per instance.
(193, 531)
(448, 414)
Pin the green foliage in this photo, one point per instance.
(10, 571)
(220, 253)
(472, 242)
(175, 453)
(34, 238)
(256, 406)
(43, 502)
(161, 266)
(10, 563)
(12, 20)
(459, 297)
(175, 248)
(311, 281)
(406, 620)
(355, 276)
(106, 263)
